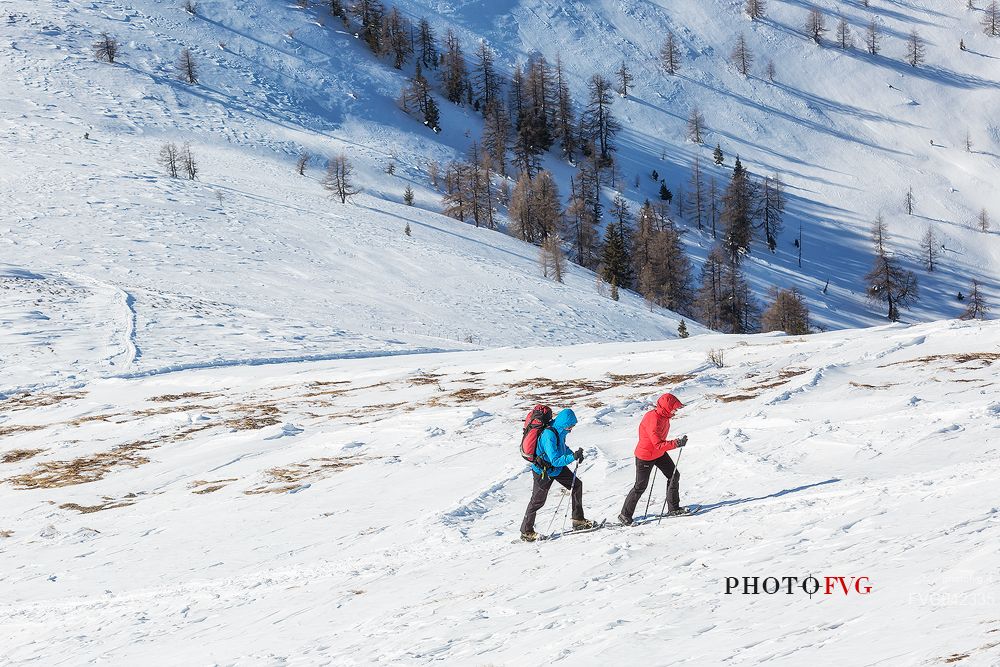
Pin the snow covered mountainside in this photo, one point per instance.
(367, 511)
(109, 267)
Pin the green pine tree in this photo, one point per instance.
(718, 156)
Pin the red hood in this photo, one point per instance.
(667, 405)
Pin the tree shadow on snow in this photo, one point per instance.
(784, 492)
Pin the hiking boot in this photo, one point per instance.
(583, 524)
(625, 520)
(680, 511)
(529, 537)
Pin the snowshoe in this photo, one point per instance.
(583, 524)
(529, 537)
(625, 520)
(680, 511)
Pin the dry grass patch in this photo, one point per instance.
(202, 486)
(862, 385)
(28, 400)
(24, 428)
(293, 476)
(984, 359)
(16, 455)
(732, 398)
(171, 398)
(425, 378)
(4, 534)
(55, 474)
(254, 417)
(90, 509)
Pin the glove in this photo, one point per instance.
(681, 441)
(578, 454)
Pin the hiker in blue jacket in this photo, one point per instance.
(555, 456)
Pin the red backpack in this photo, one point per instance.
(539, 419)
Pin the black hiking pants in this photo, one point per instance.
(540, 491)
(642, 470)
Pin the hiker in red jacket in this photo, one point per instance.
(652, 451)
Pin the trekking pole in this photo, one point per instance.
(676, 470)
(651, 485)
(569, 505)
(556, 513)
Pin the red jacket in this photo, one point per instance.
(654, 427)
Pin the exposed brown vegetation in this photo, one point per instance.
(862, 385)
(24, 428)
(201, 486)
(55, 474)
(6, 533)
(16, 455)
(171, 398)
(291, 477)
(90, 509)
(28, 400)
(254, 417)
(984, 359)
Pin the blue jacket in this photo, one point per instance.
(553, 449)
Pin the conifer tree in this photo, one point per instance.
(395, 38)
(428, 45)
(844, 38)
(788, 312)
(756, 9)
(772, 208)
(737, 222)
(929, 248)
(107, 48)
(741, 55)
(915, 49)
(696, 193)
(976, 308)
(581, 226)
(455, 75)
(599, 124)
(887, 282)
(187, 66)
(696, 125)
(565, 126)
(670, 54)
(816, 25)
(717, 155)
(370, 14)
(873, 36)
(625, 77)
(486, 78)
(496, 134)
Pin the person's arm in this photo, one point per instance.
(550, 447)
(660, 443)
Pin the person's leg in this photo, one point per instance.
(642, 470)
(539, 492)
(670, 472)
(566, 478)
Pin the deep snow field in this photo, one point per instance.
(367, 511)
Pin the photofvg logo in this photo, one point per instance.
(798, 585)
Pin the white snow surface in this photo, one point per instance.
(108, 267)
(366, 511)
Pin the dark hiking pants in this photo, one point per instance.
(540, 491)
(642, 470)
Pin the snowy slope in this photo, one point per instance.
(366, 511)
(133, 272)
(849, 133)
(110, 268)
